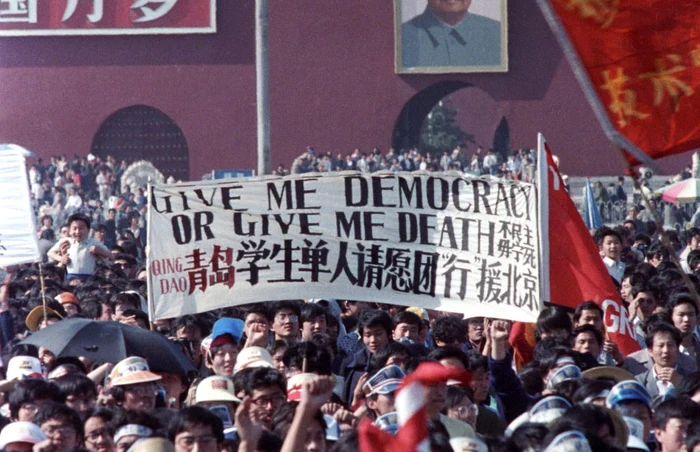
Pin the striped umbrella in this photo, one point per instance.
(591, 213)
(684, 192)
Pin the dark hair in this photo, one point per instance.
(408, 318)
(679, 299)
(528, 436)
(553, 318)
(58, 410)
(286, 304)
(587, 306)
(644, 287)
(692, 437)
(194, 415)
(449, 330)
(264, 376)
(441, 353)
(29, 390)
(258, 308)
(191, 321)
(130, 299)
(676, 407)
(91, 308)
(79, 217)
(137, 314)
(603, 232)
(48, 234)
(549, 357)
(311, 311)
(586, 418)
(374, 317)
(381, 356)
(455, 394)
(662, 327)
(477, 362)
(587, 329)
(689, 385)
(317, 359)
(75, 383)
(590, 388)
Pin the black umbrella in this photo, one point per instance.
(111, 342)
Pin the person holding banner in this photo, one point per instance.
(79, 253)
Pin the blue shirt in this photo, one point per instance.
(427, 41)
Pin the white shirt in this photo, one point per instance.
(74, 201)
(616, 269)
(660, 384)
(81, 261)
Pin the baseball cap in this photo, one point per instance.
(227, 326)
(548, 409)
(635, 440)
(21, 367)
(216, 388)
(35, 316)
(205, 345)
(461, 444)
(253, 357)
(66, 297)
(21, 432)
(295, 385)
(130, 371)
(385, 381)
(628, 390)
(568, 372)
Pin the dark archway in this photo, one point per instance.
(408, 125)
(140, 132)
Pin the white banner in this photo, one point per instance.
(18, 236)
(439, 241)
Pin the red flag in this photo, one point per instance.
(572, 269)
(639, 65)
(410, 408)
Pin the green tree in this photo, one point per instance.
(440, 131)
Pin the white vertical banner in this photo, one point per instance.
(18, 237)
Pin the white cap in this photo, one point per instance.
(635, 440)
(253, 357)
(216, 388)
(24, 366)
(21, 432)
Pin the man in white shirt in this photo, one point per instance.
(610, 247)
(663, 342)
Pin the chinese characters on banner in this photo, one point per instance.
(639, 64)
(438, 241)
(106, 17)
(18, 237)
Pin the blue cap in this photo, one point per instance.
(568, 372)
(388, 422)
(385, 381)
(628, 390)
(226, 325)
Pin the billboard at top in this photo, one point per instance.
(106, 17)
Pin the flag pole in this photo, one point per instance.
(660, 227)
(43, 289)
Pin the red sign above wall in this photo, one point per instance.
(106, 17)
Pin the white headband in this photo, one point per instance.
(132, 430)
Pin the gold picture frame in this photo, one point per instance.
(425, 44)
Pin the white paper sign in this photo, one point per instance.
(18, 236)
(439, 241)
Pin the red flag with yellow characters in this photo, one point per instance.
(639, 64)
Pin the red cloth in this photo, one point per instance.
(639, 65)
(573, 268)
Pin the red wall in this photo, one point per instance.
(332, 86)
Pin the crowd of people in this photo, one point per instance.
(303, 375)
(519, 164)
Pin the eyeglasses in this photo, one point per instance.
(32, 408)
(471, 410)
(188, 442)
(263, 402)
(66, 430)
(284, 317)
(95, 435)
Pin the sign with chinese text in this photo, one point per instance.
(639, 64)
(18, 236)
(439, 241)
(106, 17)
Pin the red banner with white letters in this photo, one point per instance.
(639, 64)
(106, 17)
(572, 269)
